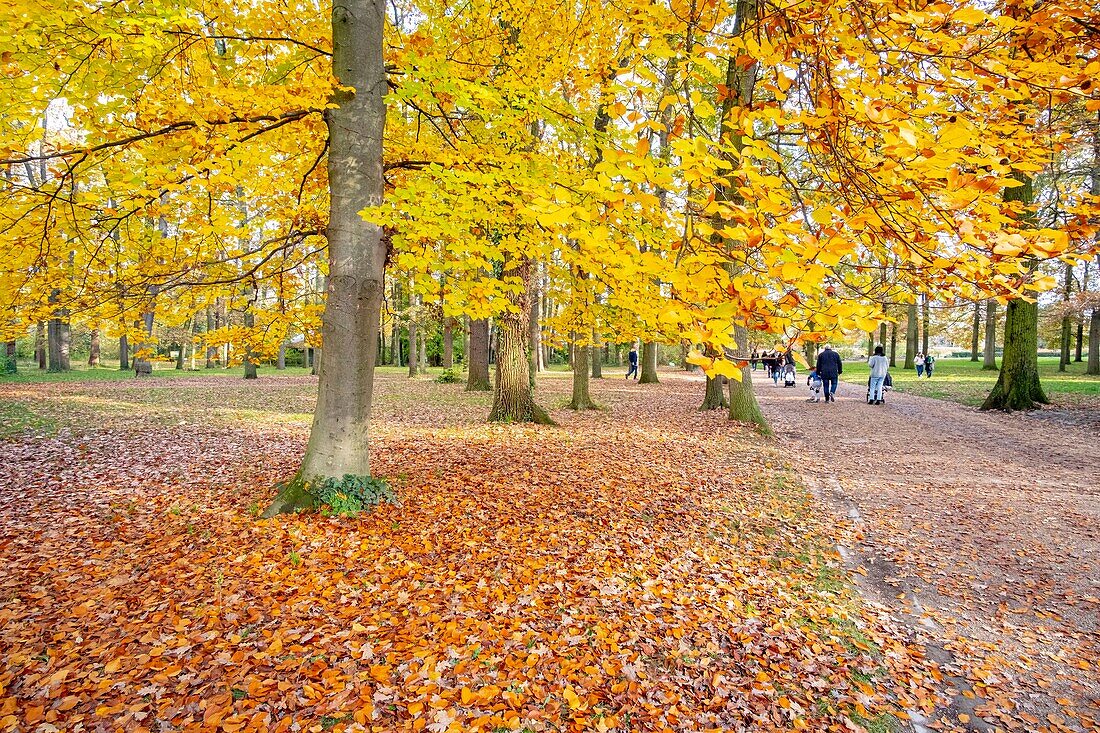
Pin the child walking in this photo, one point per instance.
(814, 382)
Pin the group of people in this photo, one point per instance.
(924, 363)
(776, 364)
(825, 376)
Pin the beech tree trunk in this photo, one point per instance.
(93, 350)
(649, 364)
(1067, 321)
(211, 350)
(249, 357)
(975, 332)
(742, 399)
(477, 380)
(582, 400)
(55, 343)
(414, 362)
(714, 398)
(123, 353)
(448, 343)
(513, 398)
(910, 336)
(595, 356)
(1093, 366)
(338, 441)
(10, 361)
(989, 362)
(893, 344)
(280, 360)
(1018, 386)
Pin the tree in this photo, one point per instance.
(513, 398)
(989, 362)
(357, 253)
(477, 357)
(975, 331)
(911, 336)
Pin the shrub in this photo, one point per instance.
(350, 494)
(447, 377)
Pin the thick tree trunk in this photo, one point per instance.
(513, 398)
(448, 343)
(54, 342)
(975, 332)
(881, 335)
(714, 398)
(582, 400)
(910, 336)
(742, 399)
(338, 441)
(925, 322)
(1018, 386)
(649, 364)
(94, 349)
(123, 353)
(280, 360)
(989, 352)
(477, 356)
(1093, 366)
(10, 362)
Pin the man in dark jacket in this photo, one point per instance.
(829, 368)
(633, 362)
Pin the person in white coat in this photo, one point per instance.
(880, 366)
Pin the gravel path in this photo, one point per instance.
(989, 525)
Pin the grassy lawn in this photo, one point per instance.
(963, 381)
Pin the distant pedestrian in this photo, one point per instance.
(929, 364)
(829, 368)
(633, 362)
(755, 358)
(919, 364)
(777, 367)
(880, 367)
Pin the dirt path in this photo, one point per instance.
(988, 528)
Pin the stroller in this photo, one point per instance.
(887, 385)
(788, 375)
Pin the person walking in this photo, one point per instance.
(777, 367)
(755, 358)
(929, 363)
(919, 364)
(880, 367)
(829, 368)
(633, 362)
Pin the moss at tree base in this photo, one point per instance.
(293, 497)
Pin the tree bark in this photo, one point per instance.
(1093, 366)
(414, 361)
(94, 349)
(595, 356)
(742, 399)
(582, 400)
(280, 360)
(894, 344)
(448, 343)
(123, 353)
(910, 336)
(53, 340)
(477, 357)
(357, 251)
(40, 344)
(513, 398)
(1067, 321)
(649, 363)
(1018, 386)
(10, 362)
(211, 350)
(989, 362)
(533, 329)
(975, 332)
(249, 357)
(714, 398)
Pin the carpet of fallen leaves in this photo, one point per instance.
(990, 526)
(642, 568)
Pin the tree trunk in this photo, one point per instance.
(414, 362)
(742, 399)
(513, 398)
(478, 357)
(894, 344)
(423, 366)
(989, 362)
(715, 396)
(211, 350)
(925, 321)
(123, 353)
(534, 331)
(881, 335)
(249, 357)
(280, 360)
(1067, 323)
(582, 400)
(975, 332)
(338, 441)
(53, 340)
(10, 362)
(466, 343)
(649, 364)
(1080, 340)
(910, 336)
(1093, 366)
(596, 356)
(1018, 386)
(448, 343)
(40, 344)
(93, 350)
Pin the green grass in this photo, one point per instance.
(30, 373)
(17, 420)
(963, 381)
